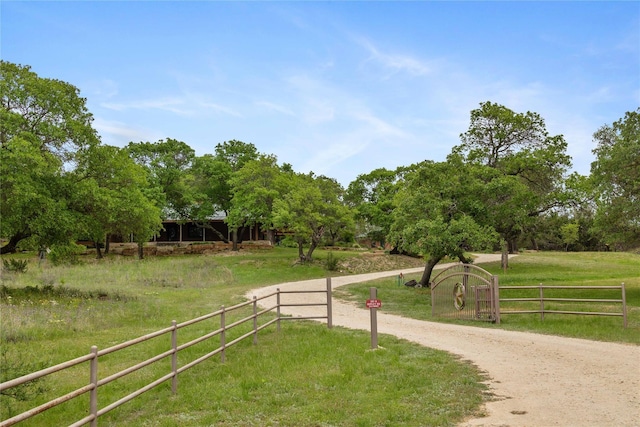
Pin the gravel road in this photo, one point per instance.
(538, 380)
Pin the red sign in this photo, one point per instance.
(374, 303)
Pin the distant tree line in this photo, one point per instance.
(504, 187)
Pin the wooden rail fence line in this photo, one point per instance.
(95, 382)
(541, 299)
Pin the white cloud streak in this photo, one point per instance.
(395, 62)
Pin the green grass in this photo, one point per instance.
(528, 269)
(306, 375)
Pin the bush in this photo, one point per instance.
(288, 242)
(15, 265)
(17, 367)
(66, 254)
(332, 262)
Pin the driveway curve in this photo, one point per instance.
(538, 380)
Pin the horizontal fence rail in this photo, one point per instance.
(541, 299)
(171, 353)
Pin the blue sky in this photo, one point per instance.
(337, 88)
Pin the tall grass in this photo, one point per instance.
(531, 269)
(305, 375)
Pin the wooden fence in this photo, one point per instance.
(541, 298)
(172, 352)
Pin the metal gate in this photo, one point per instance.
(464, 291)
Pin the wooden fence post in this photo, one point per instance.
(373, 295)
(624, 306)
(278, 307)
(93, 378)
(329, 307)
(541, 302)
(255, 320)
(174, 357)
(222, 334)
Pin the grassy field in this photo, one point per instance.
(548, 268)
(305, 375)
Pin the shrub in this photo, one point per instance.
(17, 367)
(15, 265)
(332, 262)
(288, 242)
(66, 254)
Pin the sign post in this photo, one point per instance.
(373, 304)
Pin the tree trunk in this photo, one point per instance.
(312, 248)
(107, 241)
(271, 236)
(428, 269)
(98, 250)
(504, 259)
(534, 243)
(234, 240)
(11, 247)
(140, 250)
(463, 259)
(301, 251)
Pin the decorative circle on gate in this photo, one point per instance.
(458, 296)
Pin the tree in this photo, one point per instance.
(167, 163)
(44, 125)
(615, 177)
(517, 145)
(255, 187)
(439, 212)
(570, 233)
(307, 211)
(235, 154)
(210, 177)
(111, 195)
(342, 224)
(372, 196)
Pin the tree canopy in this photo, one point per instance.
(531, 162)
(616, 179)
(59, 184)
(506, 182)
(309, 209)
(440, 212)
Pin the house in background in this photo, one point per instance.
(188, 231)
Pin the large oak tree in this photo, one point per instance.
(531, 162)
(440, 211)
(615, 176)
(44, 125)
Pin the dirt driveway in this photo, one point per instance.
(538, 380)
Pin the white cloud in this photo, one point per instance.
(166, 104)
(106, 88)
(219, 108)
(395, 62)
(275, 107)
(118, 133)
(329, 156)
(182, 106)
